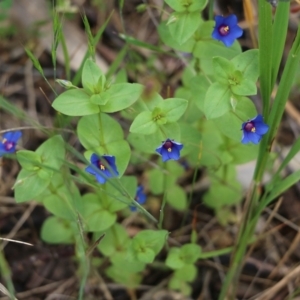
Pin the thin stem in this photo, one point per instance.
(101, 133)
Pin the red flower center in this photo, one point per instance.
(168, 145)
(8, 145)
(250, 127)
(224, 30)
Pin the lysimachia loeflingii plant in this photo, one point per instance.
(210, 122)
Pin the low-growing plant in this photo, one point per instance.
(210, 123)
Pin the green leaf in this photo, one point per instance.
(29, 160)
(146, 256)
(189, 5)
(187, 273)
(95, 130)
(57, 231)
(176, 5)
(75, 103)
(230, 124)
(122, 259)
(120, 275)
(247, 63)
(98, 99)
(90, 75)
(217, 101)
(244, 87)
(95, 216)
(63, 199)
(241, 153)
(148, 143)
(29, 185)
(158, 181)
(186, 255)
(223, 69)
(174, 260)
(167, 38)
(115, 240)
(181, 285)
(196, 5)
(182, 25)
(144, 124)
(173, 108)
(221, 194)
(207, 48)
(191, 139)
(121, 96)
(147, 243)
(190, 253)
(176, 197)
(114, 198)
(52, 153)
(198, 87)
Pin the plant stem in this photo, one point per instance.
(251, 213)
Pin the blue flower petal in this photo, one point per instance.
(231, 20)
(12, 136)
(174, 154)
(159, 149)
(246, 138)
(90, 170)
(140, 197)
(228, 40)
(100, 178)
(108, 162)
(234, 30)
(261, 128)
(94, 159)
(255, 138)
(258, 118)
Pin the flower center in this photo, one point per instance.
(8, 145)
(224, 30)
(168, 145)
(101, 166)
(250, 127)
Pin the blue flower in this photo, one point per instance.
(103, 167)
(140, 197)
(169, 150)
(253, 130)
(9, 142)
(226, 30)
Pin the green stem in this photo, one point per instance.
(101, 133)
(280, 27)
(251, 216)
(277, 110)
(265, 53)
(161, 215)
(5, 272)
(244, 236)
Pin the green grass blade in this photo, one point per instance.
(277, 110)
(97, 37)
(280, 27)
(265, 53)
(117, 62)
(281, 187)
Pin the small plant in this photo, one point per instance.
(210, 123)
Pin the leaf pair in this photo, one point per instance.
(234, 78)
(97, 95)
